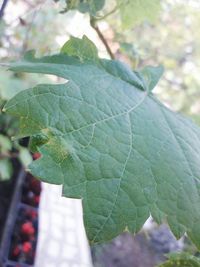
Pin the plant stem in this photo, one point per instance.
(9, 155)
(102, 38)
(108, 14)
(5, 2)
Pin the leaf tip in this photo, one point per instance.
(126, 229)
(30, 55)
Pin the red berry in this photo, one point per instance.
(35, 186)
(26, 247)
(36, 155)
(16, 251)
(27, 228)
(37, 199)
(32, 214)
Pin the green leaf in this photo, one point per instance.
(9, 85)
(181, 260)
(5, 169)
(111, 143)
(83, 48)
(90, 6)
(137, 11)
(122, 71)
(152, 75)
(36, 141)
(5, 144)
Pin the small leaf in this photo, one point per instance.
(90, 6)
(152, 75)
(81, 48)
(37, 141)
(6, 169)
(135, 12)
(29, 55)
(5, 144)
(110, 142)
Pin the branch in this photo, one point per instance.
(108, 14)
(96, 28)
(29, 28)
(5, 2)
(9, 155)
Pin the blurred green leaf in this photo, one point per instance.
(5, 144)
(9, 85)
(152, 75)
(25, 156)
(90, 6)
(137, 11)
(6, 169)
(181, 260)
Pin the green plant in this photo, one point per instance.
(109, 141)
(10, 149)
(8, 127)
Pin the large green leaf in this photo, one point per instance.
(110, 142)
(136, 11)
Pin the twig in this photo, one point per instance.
(25, 14)
(9, 155)
(101, 36)
(117, 7)
(108, 14)
(28, 30)
(5, 2)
